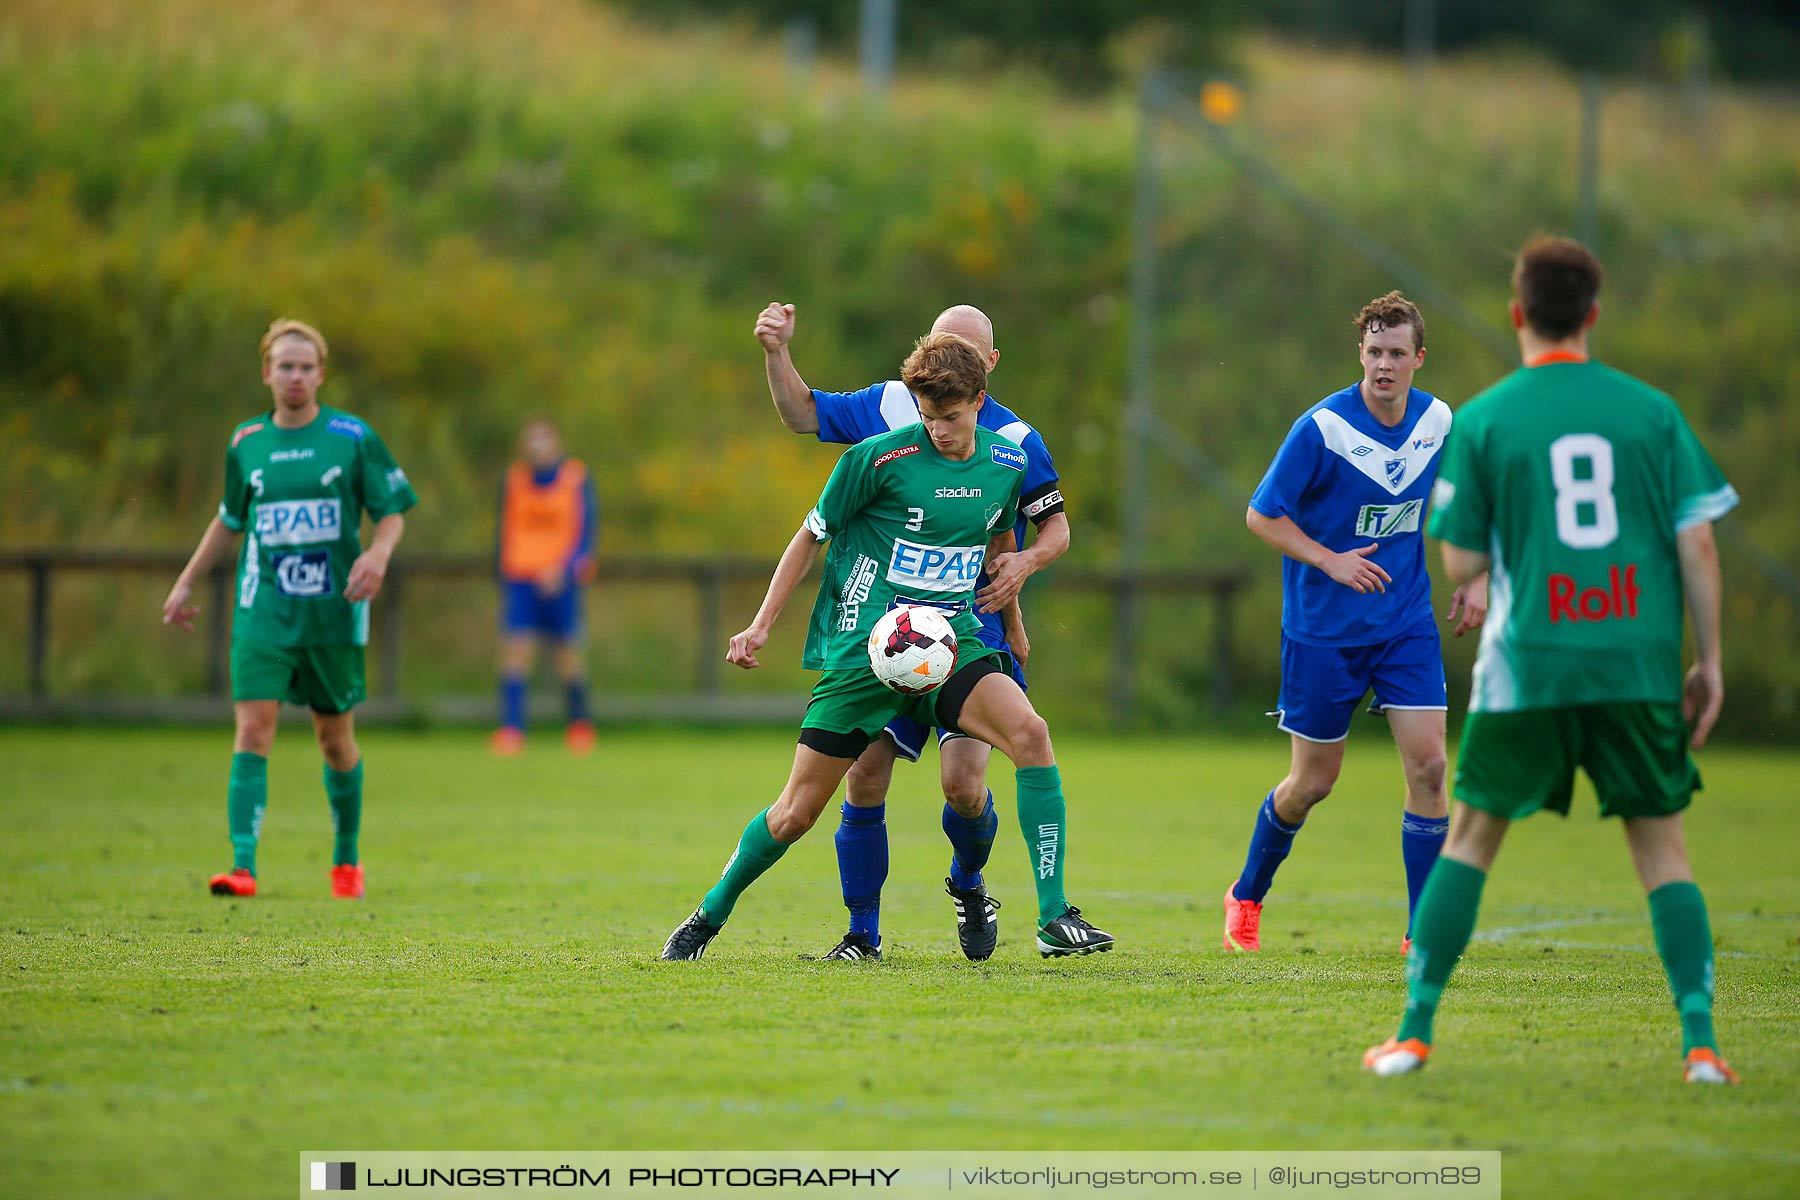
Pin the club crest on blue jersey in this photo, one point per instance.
(350, 427)
(1396, 471)
(1010, 456)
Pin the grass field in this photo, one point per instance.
(497, 989)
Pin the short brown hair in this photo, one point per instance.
(945, 368)
(288, 327)
(1390, 312)
(1557, 281)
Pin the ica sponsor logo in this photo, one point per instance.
(935, 568)
(298, 522)
(1618, 601)
(304, 574)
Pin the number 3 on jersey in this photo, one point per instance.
(1595, 491)
(915, 519)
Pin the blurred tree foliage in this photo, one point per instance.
(519, 206)
(1086, 43)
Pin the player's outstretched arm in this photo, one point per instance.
(1703, 693)
(1351, 568)
(802, 550)
(1008, 569)
(369, 571)
(214, 543)
(793, 399)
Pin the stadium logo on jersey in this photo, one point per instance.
(935, 568)
(350, 427)
(305, 574)
(298, 522)
(891, 455)
(1009, 456)
(243, 433)
(958, 493)
(1396, 471)
(291, 455)
(1386, 520)
(856, 592)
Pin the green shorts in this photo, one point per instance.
(851, 707)
(327, 679)
(1511, 764)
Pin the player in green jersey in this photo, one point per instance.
(912, 516)
(297, 482)
(1591, 501)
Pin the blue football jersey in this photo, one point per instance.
(851, 417)
(1346, 479)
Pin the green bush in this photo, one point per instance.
(514, 207)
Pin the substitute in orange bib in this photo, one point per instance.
(549, 523)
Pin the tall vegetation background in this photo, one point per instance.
(525, 206)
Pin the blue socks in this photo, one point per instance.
(971, 841)
(1421, 838)
(512, 702)
(578, 708)
(1269, 845)
(862, 850)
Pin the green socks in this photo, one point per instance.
(1043, 819)
(246, 797)
(1684, 939)
(344, 790)
(1441, 929)
(756, 852)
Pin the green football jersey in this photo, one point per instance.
(299, 495)
(1575, 479)
(906, 526)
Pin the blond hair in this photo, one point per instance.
(288, 327)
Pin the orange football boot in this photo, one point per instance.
(580, 737)
(236, 882)
(347, 881)
(1394, 1057)
(1703, 1065)
(507, 742)
(1242, 919)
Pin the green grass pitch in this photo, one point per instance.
(497, 989)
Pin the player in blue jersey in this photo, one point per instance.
(1344, 501)
(969, 820)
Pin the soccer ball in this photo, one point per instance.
(912, 649)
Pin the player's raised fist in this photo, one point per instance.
(743, 648)
(775, 326)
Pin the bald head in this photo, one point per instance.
(967, 321)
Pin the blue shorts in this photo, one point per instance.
(909, 736)
(524, 610)
(1322, 685)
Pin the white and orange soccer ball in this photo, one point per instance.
(912, 649)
